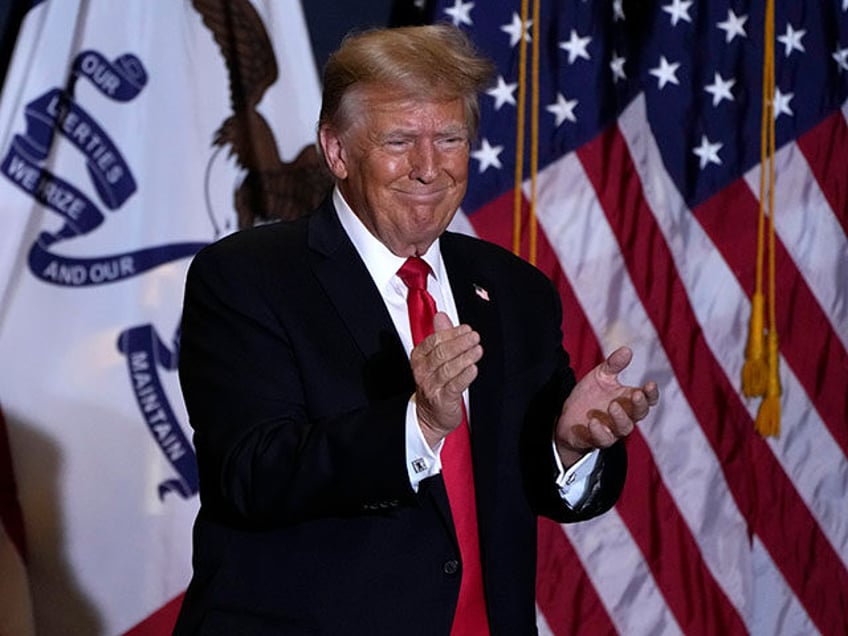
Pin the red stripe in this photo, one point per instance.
(161, 622)
(752, 473)
(690, 591)
(807, 340)
(564, 592)
(11, 515)
(826, 150)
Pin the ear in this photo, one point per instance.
(334, 151)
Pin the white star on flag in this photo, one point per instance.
(503, 93)
(733, 26)
(708, 152)
(618, 10)
(516, 29)
(781, 103)
(576, 46)
(720, 89)
(460, 12)
(665, 72)
(841, 57)
(678, 10)
(791, 40)
(563, 109)
(487, 155)
(617, 67)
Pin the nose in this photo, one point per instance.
(424, 162)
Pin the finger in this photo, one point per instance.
(447, 361)
(458, 382)
(620, 422)
(454, 374)
(601, 435)
(652, 393)
(640, 406)
(443, 346)
(635, 404)
(578, 438)
(441, 321)
(617, 361)
(446, 336)
(605, 427)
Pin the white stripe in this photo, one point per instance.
(460, 223)
(722, 310)
(588, 253)
(621, 577)
(542, 623)
(811, 233)
(775, 611)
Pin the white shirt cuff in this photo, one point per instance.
(573, 483)
(421, 460)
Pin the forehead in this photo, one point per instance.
(386, 110)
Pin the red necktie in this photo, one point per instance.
(470, 618)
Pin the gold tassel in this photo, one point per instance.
(761, 371)
(517, 197)
(755, 369)
(768, 416)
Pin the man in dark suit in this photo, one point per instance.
(325, 418)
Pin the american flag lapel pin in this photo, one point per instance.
(481, 292)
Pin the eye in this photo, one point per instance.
(396, 143)
(452, 142)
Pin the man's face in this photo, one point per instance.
(402, 167)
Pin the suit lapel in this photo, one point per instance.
(357, 300)
(352, 292)
(349, 286)
(477, 306)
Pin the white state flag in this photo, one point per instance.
(110, 181)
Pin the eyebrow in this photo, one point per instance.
(410, 132)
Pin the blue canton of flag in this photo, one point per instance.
(699, 66)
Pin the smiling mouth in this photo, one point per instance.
(425, 195)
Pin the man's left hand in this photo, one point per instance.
(601, 410)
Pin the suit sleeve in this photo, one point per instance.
(262, 459)
(545, 406)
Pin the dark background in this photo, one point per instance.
(328, 21)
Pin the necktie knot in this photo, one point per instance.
(414, 273)
(420, 303)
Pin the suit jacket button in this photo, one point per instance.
(451, 567)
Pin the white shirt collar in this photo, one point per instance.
(382, 264)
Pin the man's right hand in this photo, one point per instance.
(444, 365)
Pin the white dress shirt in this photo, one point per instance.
(422, 460)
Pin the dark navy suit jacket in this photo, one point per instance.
(297, 383)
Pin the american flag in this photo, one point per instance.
(647, 203)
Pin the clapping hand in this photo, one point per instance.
(600, 410)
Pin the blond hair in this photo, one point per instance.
(436, 61)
